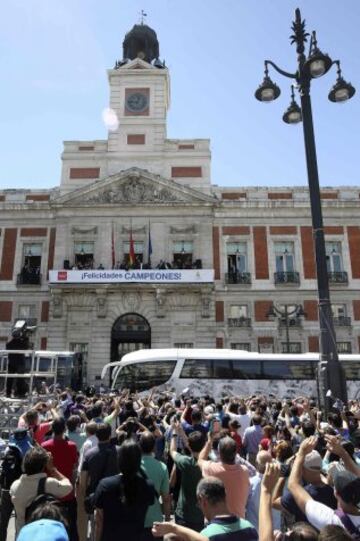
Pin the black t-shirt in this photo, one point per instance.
(322, 494)
(122, 521)
(100, 462)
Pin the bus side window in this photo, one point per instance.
(352, 370)
(288, 370)
(222, 369)
(243, 369)
(197, 369)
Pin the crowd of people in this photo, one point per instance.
(138, 468)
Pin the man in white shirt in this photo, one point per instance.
(90, 442)
(37, 465)
(346, 490)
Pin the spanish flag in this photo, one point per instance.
(131, 250)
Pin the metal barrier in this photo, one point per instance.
(38, 367)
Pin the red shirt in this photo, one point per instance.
(65, 457)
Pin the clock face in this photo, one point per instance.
(137, 102)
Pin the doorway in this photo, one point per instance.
(130, 332)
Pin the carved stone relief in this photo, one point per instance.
(134, 190)
(57, 304)
(160, 302)
(131, 301)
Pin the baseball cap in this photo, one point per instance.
(313, 461)
(347, 485)
(208, 410)
(43, 530)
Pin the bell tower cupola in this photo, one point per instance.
(141, 42)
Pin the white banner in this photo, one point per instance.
(148, 276)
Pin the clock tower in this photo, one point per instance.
(139, 96)
(139, 102)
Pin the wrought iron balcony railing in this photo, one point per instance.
(238, 278)
(342, 321)
(28, 278)
(239, 322)
(338, 277)
(287, 278)
(293, 321)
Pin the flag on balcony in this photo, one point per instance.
(149, 246)
(112, 247)
(131, 249)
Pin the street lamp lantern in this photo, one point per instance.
(292, 114)
(268, 90)
(310, 67)
(341, 91)
(288, 316)
(317, 63)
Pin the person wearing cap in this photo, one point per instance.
(313, 484)
(43, 530)
(346, 490)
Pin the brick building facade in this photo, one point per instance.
(256, 243)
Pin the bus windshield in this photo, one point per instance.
(143, 376)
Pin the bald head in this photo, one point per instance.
(262, 458)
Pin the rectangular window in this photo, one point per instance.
(31, 264)
(284, 256)
(139, 252)
(289, 370)
(344, 347)
(333, 257)
(244, 346)
(237, 257)
(184, 345)
(84, 254)
(339, 310)
(238, 311)
(291, 347)
(183, 254)
(26, 311)
(222, 369)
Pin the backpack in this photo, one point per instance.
(11, 466)
(40, 498)
(348, 524)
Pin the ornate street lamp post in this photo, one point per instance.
(314, 65)
(285, 315)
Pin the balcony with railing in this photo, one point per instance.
(342, 321)
(28, 278)
(290, 322)
(239, 322)
(338, 277)
(238, 278)
(286, 278)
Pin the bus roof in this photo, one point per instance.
(173, 353)
(144, 355)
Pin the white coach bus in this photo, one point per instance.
(220, 372)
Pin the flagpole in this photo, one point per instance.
(149, 247)
(113, 255)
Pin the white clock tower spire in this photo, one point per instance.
(139, 95)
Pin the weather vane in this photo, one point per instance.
(142, 15)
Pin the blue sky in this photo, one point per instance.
(54, 55)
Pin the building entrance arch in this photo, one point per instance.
(129, 332)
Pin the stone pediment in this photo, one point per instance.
(133, 187)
